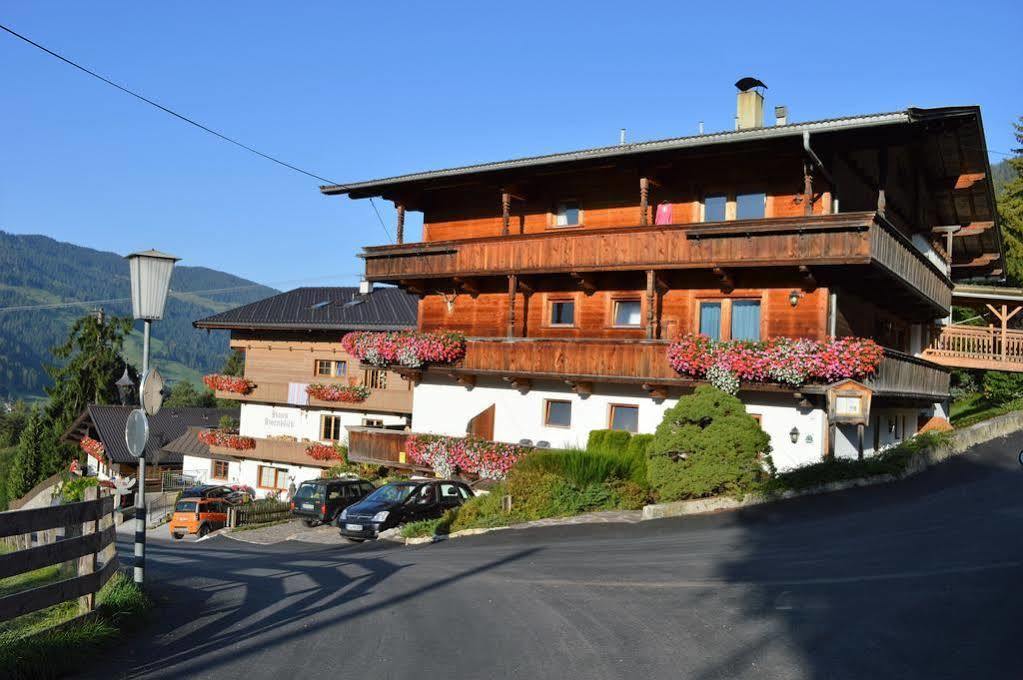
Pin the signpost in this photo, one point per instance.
(849, 403)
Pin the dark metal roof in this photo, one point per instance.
(335, 308)
(374, 187)
(166, 426)
(188, 444)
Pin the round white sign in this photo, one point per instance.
(136, 432)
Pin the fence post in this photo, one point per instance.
(87, 563)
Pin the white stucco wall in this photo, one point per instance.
(262, 420)
(895, 425)
(442, 407)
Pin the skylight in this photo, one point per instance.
(320, 305)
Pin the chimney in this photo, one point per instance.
(781, 115)
(749, 108)
(365, 287)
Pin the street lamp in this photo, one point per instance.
(150, 280)
(125, 387)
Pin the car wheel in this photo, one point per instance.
(309, 523)
(177, 536)
(354, 540)
(204, 530)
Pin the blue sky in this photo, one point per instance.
(356, 93)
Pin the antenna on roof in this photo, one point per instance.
(701, 127)
(621, 136)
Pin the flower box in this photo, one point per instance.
(407, 348)
(346, 393)
(229, 440)
(327, 452)
(786, 361)
(470, 455)
(92, 447)
(228, 383)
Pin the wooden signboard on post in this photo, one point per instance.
(849, 404)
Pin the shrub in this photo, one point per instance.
(73, 489)
(638, 445)
(583, 468)
(1000, 387)
(481, 511)
(707, 445)
(629, 495)
(607, 441)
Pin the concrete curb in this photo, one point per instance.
(961, 442)
(422, 540)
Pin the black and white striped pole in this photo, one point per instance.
(150, 281)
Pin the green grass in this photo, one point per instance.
(974, 408)
(28, 650)
(425, 527)
(582, 468)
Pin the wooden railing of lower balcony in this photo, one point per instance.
(390, 400)
(275, 451)
(979, 347)
(861, 238)
(644, 362)
(380, 446)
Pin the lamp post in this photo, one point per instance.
(150, 280)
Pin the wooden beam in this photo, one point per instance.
(727, 284)
(651, 305)
(644, 196)
(882, 181)
(400, 233)
(505, 211)
(512, 290)
(525, 287)
(586, 282)
(467, 286)
(967, 180)
(466, 380)
(523, 385)
(583, 389)
(975, 229)
(656, 392)
(979, 261)
(807, 187)
(809, 280)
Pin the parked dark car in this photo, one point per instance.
(320, 501)
(401, 502)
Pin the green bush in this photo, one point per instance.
(583, 468)
(481, 511)
(73, 489)
(629, 495)
(638, 445)
(707, 445)
(424, 527)
(608, 441)
(1001, 388)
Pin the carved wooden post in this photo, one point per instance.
(882, 180)
(505, 212)
(807, 187)
(644, 199)
(650, 306)
(513, 284)
(401, 222)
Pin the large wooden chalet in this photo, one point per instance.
(571, 272)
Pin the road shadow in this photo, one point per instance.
(222, 595)
(915, 579)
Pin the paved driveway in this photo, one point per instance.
(920, 579)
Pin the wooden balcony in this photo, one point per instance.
(396, 399)
(863, 241)
(381, 446)
(286, 451)
(980, 347)
(644, 362)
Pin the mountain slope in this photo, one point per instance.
(37, 270)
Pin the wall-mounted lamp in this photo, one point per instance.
(794, 435)
(794, 298)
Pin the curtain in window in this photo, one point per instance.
(746, 320)
(710, 320)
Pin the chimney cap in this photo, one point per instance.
(748, 83)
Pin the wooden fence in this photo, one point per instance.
(258, 512)
(88, 534)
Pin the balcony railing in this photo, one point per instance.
(380, 446)
(980, 347)
(396, 399)
(274, 451)
(644, 362)
(845, 239)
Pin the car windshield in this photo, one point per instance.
(392, 493)
(309, 492)
(185, 506)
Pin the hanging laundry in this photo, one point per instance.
(663, 214)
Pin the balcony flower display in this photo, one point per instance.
(470, 455)
(327, 452)
(227, 383)
(225, 439)
(346, 393)
(410, 349)
(92, 447)
(786, 361)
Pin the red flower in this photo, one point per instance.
(346, 393)
(228, 383)
(326, 452)
(227, 440)
(92, 447)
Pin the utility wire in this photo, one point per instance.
(188, 120)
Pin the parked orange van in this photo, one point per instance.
(198, 516)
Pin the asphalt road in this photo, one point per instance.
(919, 579)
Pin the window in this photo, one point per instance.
(372, 422)
(746, 320)
(331, 428)
(376, 379)
(220, 469)
(624, 417)
(567, 214)
(562, 313)
(272, 478)
(557, 413)
(750, 206)
(331, 368)
(627, 312)
(714, 208)
(710, 320)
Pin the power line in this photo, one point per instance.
(186, 119)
